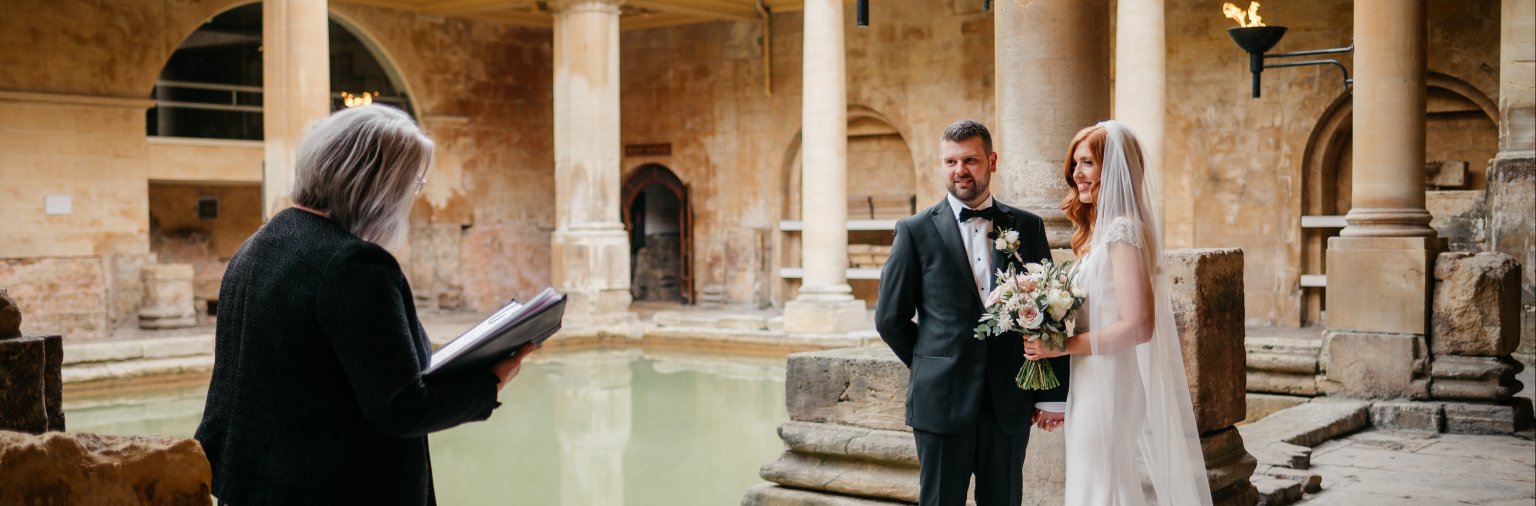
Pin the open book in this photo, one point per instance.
(511, 327)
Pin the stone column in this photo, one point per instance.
(590, 250)
(1052, 68)
(825, 304)
(1379, 268)
(296, 88)
(593, 424)
(1512, 178)
(1140, 81)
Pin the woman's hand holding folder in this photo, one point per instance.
(508, 367)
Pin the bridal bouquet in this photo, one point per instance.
(1040, 303)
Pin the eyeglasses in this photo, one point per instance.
(421, 183)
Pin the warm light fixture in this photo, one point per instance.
(351, 100)
(1255, 37)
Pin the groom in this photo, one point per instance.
(964, 409)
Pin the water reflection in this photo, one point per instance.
(609, 427)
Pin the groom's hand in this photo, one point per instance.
(1047, 420)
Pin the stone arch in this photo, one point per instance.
(1327, 169)
(353, 27)
(857, 115)
(382, 54)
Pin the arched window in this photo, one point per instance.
(211, 87)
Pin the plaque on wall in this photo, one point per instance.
(648, 149)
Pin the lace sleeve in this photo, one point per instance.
(1122, 229)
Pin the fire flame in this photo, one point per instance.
(351, 100)
(1247, 19)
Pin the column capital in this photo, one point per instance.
(558, 7)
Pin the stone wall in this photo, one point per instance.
(1233, 167)
(62, 295)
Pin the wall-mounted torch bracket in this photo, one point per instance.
(1258, 39)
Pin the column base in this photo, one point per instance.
(1381, 284)
(811, 315)
(1375, 365)
(591, 266)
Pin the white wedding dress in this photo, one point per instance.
(1106, 405)
(1128, 409)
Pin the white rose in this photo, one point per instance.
(1059, 302)
(1000, 243)
(1035, 269)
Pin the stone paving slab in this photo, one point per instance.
(1411, 468)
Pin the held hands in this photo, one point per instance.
(1047, 420)
(508, 367)
(1037, 350)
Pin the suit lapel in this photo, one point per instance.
(1004, 221)
(943, 219)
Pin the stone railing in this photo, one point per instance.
(847, 443)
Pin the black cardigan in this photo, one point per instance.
(317, 395)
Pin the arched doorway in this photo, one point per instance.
(1461, 129)
(659, 219)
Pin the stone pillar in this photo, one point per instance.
(1140, 81)
(167, 297)
(1206, 291)
(825, 304)
(1052, 79)
(590, 249)
(296, 88)
(1380, 266)
(593, 424)
(1512, 178)
(30, 385)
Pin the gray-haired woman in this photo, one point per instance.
(317, 394)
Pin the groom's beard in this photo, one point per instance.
(967, 194)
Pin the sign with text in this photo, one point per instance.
(648, 149)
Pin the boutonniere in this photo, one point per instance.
(1005, 240)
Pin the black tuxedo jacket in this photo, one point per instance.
(927, 275)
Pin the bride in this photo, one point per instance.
(1128, 406)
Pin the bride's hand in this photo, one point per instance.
(1037, 350)
(1047, 420)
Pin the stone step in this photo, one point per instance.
(134, 349)
(102, 371)
(844, 476)
(891, 446)
(769, 494)
(1277, 492)
(1285, 438)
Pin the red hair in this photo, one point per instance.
(1082, 215)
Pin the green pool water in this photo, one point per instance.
(609, 428)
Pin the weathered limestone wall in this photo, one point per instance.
(1234, 163)
(74, 84)
(700, 88)
(204, 160)
(480, 231)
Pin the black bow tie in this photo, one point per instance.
(989, 214)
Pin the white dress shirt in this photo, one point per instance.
(978, 253)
